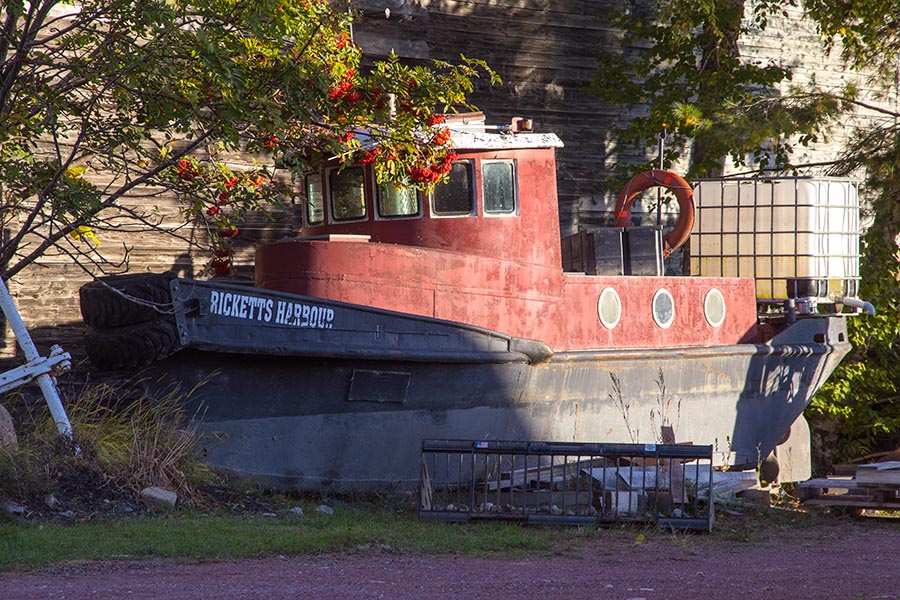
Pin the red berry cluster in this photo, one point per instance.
(370, 156)
(270, 143)
(343, 40)
(345, 90)
(433, 172)
(441, 137)
(221, 262)
(228, 232)
(187, 171)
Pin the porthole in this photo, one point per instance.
(714, 307)
(609, 308)
(663, 308)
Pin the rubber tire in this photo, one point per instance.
(102, 307)
(133, 346)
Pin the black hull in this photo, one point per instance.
(313, 423)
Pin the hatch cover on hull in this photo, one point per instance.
(378, 386)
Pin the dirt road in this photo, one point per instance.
(852, 560)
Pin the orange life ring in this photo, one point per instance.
(683, 193)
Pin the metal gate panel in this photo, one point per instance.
(567, 483)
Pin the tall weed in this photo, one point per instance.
(124, 440)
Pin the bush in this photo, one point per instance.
(123, 441)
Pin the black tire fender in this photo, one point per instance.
(122, 300)
(132, 346)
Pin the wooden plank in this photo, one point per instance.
(678, 491)
(426, 501)
(879, 474)
(815, 488)
(881, 466)
(541, 475)
(829, 483)
(852, 502)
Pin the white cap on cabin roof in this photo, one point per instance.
(468, 131)
(464, 139)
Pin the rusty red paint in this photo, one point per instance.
(532, 236)
(503, 273)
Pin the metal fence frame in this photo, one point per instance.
(567, 483)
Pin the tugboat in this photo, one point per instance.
(396, 316)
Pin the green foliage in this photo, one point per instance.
(104, 99)
(862, 396)
(867, 29)
(682, 65)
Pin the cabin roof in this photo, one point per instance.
(467, 139)
(468, 131)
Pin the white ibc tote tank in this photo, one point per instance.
(798, 237)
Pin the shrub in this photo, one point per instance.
(124, 439)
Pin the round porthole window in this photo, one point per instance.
(714, 307)
(609, 308)
(663, 308)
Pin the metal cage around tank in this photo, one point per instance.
(798, 237)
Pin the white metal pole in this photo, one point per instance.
(45, 381)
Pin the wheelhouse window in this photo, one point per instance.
(457, 196)
(397, 202)
(498, 179)
(315, 201)
(347, 190)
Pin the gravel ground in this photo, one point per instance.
(847, 560)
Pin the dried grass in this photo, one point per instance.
(124, 440)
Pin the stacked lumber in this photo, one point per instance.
(874, 486)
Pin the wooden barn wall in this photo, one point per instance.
(544, 51)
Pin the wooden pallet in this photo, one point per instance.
(875, 487)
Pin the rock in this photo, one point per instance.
(13, 508)
(325, 510)
(8, 437)
(51, 501)
(67, 514)
(156, 496)
(297, 510)
(269, 515)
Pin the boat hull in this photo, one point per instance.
(346, 424)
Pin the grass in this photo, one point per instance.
(198, 536)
